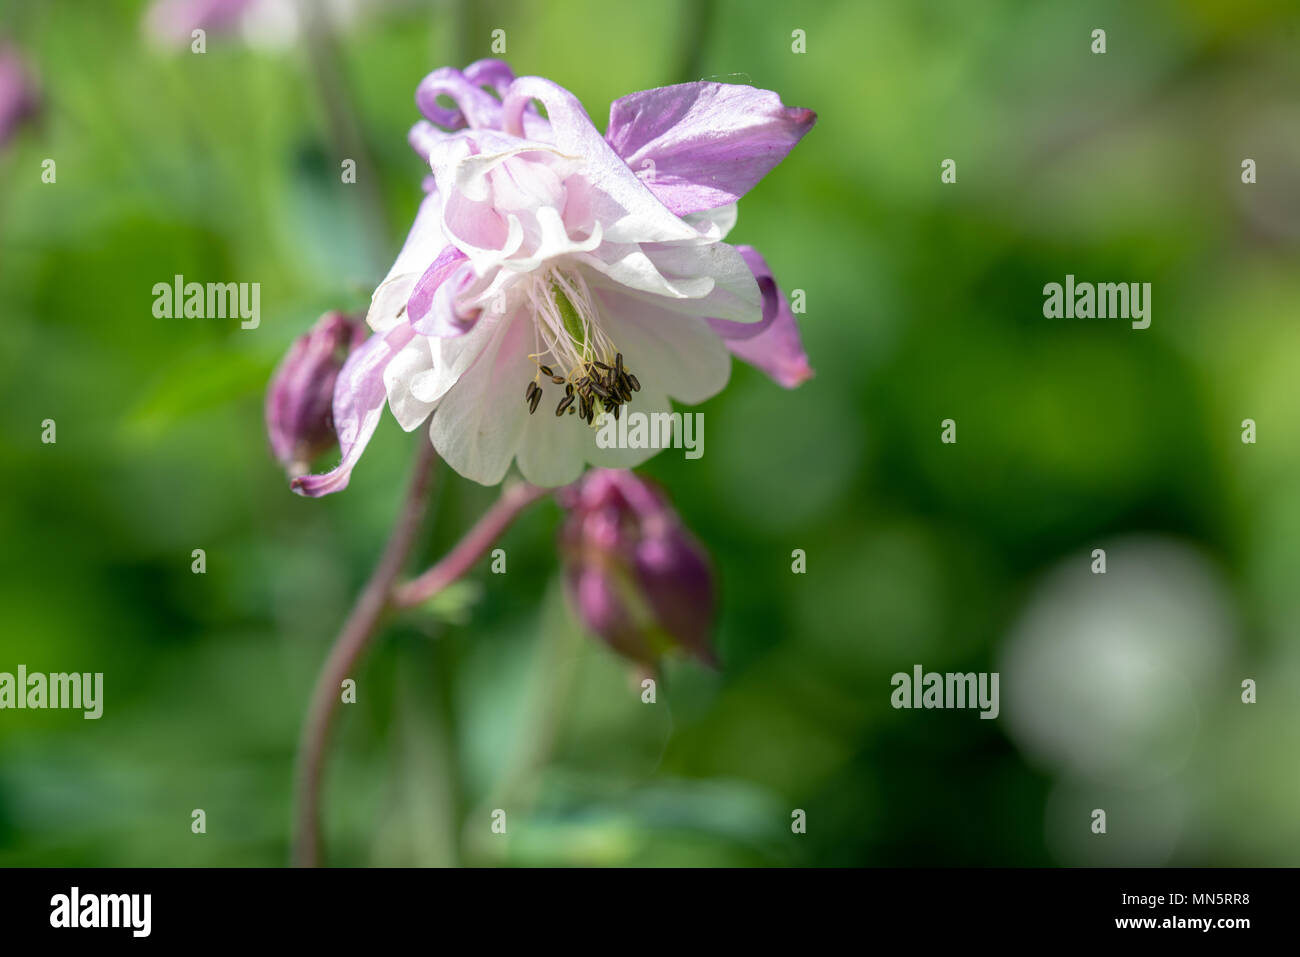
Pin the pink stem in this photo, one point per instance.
(351, 644)
(471, 548)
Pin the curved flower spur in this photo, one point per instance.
(553, 275)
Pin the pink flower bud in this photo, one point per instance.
(18, 98)
(635, 575)
(299, 401)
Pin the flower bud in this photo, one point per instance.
(300, 399)
(18, 98)
(634, 574)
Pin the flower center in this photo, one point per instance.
(574, 351)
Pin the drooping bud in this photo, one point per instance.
(18, 97)
(634, 574)
(300, 398)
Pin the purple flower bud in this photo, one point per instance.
(635, 575)
(18, 99)
(300, 399)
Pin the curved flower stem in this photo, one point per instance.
(351, 644)
(469, 549)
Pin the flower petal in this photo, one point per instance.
(701, 145)
(421, 298)
(478, 423)
(772, 345)
(489, 72)
(670, 353)
(452, 358)
(707, 281)
(648, 402)
(423, 245)
(475, 107)
(551, 447)
(629, 211)
(415, 358)
(359, 398)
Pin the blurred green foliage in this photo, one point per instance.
(924, 302)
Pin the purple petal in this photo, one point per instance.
(773, 343)
(300, 394)
(417, 307)
(494, 73)
(359, 398)
(475, 107)
(704, 145)
(422, 137)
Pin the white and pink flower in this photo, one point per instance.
(553, 275)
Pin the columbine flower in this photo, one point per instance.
(634, 574)
(299, 420)
(18, 99)
(552, 270)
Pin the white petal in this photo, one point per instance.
(479, 422)
(670, 353)
(735, 294)
(423, 244)
(416, 358)
(714, 224)
(628, 265)
(646, 402)
(452, 357)
(551, 450)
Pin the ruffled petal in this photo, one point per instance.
(772, 345)
(414, 359)
(421, 299)
(494, 73)
(452, 358)
(714, 224)
(474, 106)
(423, 245)
(701, 145)
(629, 211)
(359, 398)
(735, 295)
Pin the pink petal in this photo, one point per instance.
(421, 300)
(494, 73)
(702, 145)
(359, 398)
(772, 344)
(628, 211)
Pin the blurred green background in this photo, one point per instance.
(924, 300)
